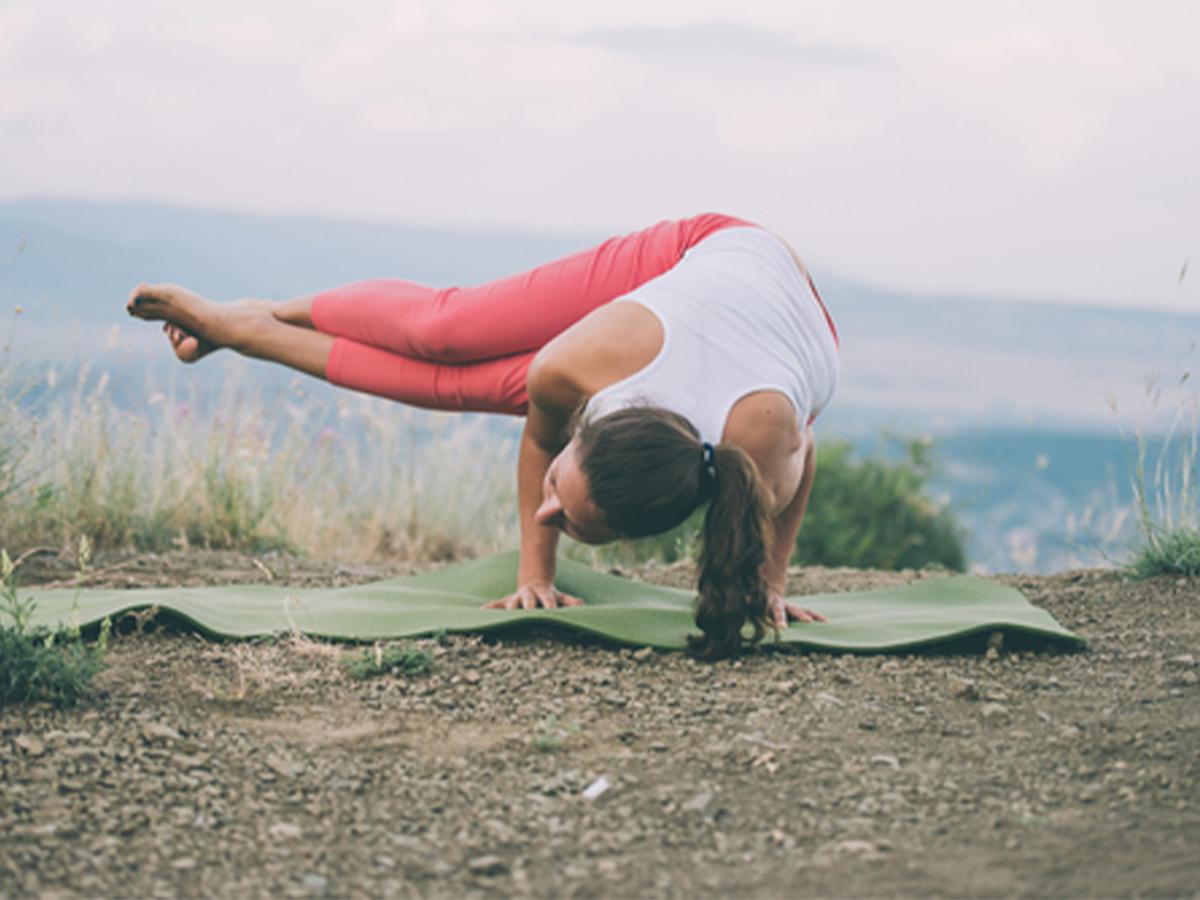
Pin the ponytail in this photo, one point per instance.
(736, 530)
(647, 470)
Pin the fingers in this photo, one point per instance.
(533, 597)
(780, 612)
(803, 615)
(512, 601)
(800, 615)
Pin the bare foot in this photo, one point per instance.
(188, 347)
(171, 303)
(194, 325)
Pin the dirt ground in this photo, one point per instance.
(260, 768)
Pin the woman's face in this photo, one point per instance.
(567, 502)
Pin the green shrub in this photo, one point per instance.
(380, 659)
(37, 664)
(875, 514)
(1168, 506)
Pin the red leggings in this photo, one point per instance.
(470, 348)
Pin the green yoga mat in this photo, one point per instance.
(628, 612)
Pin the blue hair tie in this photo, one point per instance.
(709, 469)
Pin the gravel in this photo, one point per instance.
(251, 769)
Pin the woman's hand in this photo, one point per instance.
(780, 611)
(533, 595)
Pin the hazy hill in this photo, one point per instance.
(913, 362)
(1019, 395)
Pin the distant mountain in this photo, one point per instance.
(80, 260)
(910, 362)
(1019, 397)
(1041, 501)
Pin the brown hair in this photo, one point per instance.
(645, 471)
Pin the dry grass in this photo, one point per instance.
(1166, 501)
(352, 479)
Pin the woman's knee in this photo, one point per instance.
(443, 333)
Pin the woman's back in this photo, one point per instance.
(737, 316)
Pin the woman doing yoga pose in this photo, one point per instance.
(676, 366)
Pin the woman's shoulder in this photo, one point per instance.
(605, 346)
(765, 417)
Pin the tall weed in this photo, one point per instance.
(1166, 501)
(354, 479)
(350, 477)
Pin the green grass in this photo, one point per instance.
(37, 664)
(1167, 552)
(1166, 501)
(552, 735)
(876, 513)
(404, 657)
(251, 473)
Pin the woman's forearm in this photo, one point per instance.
(786, 526)
(539, 543)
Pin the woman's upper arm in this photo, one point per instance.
(553, 399)
(781, 453)
(606, 345)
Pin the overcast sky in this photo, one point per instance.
(1029, 150)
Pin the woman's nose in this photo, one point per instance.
(550, 508)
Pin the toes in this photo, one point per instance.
(135, 297)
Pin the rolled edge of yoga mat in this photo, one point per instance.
(927, 612)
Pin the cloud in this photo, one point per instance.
(703, 40)
(435, 76)
(1016, 149)
(15, 24)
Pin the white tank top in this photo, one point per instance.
(738, 315)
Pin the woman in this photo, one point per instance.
(679, 365)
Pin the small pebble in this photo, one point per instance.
(994, 712)
(315, 882)
(30, 745)
(487, 865)
(596, 788)
(157, 733)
